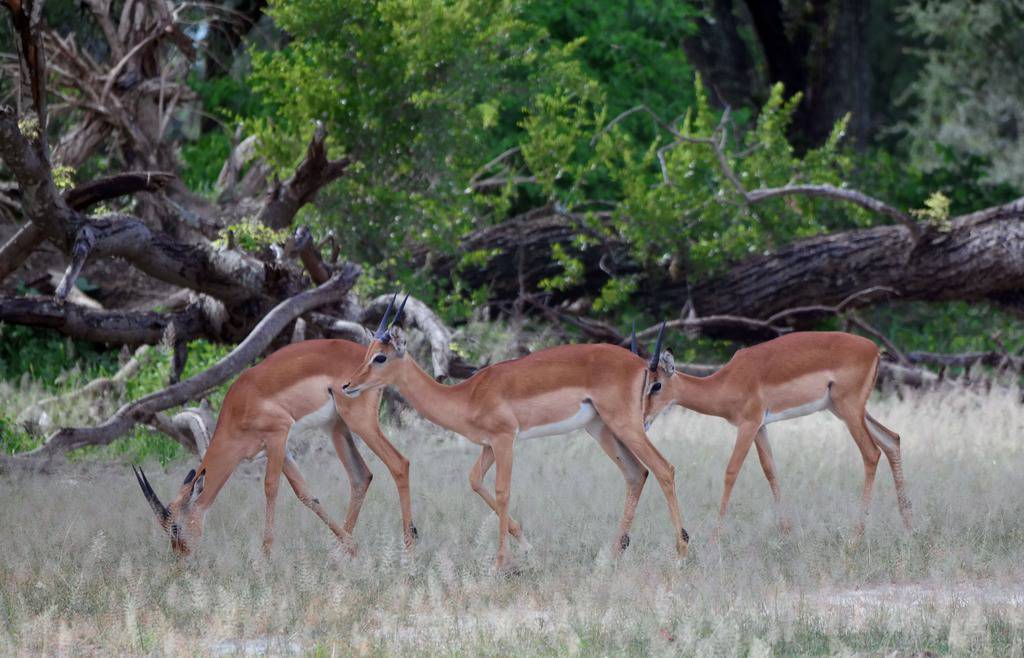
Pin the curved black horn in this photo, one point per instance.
(401, 309)
(162, 513)
(632, 341)
(382, 327)
(653, 366)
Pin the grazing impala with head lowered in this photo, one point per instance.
(555, 391)
(794, 375)
(261, 410)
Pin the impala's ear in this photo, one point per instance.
(197, 487)
(398, 340)
(667, 363)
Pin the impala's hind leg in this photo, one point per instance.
(359, 475)
(301, 489)
(851, 412)
(275, 464)
(764, 454)
(889, 442)
(633, 471)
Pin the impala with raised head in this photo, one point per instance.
(599, 388)
(263, 408)
(794, 375)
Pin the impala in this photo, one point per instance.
(262, 409)
(794, 375)
(554, 391)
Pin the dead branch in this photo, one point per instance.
(192, 427)
(315, 171)
(143, 409)
(308, 252)
(855, 197)
(16, 251)
(114, 327)
(110, 187)
(83, 245)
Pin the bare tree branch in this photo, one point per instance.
(19, 247)
(111, 187)
(840, 194)
(115, 327)
(313, 173)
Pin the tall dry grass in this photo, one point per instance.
(85, 569)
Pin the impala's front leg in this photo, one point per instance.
(744, 438)
(476, 482)
(502, 491)
(633, 437)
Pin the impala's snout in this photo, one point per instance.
(350, 391)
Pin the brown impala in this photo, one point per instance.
(261, 409)
(554, 391)
(794, 375)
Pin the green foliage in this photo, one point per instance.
(61, 365)
(967, 90)
(678, 201)
(632, 49)
(47, 357)
(572, 270)
(947, 327)
(615, 293)
(935, 211)
(63, 177)
(29, 127)
(228, 101)
(421, 93)
(204, 159)
(12, 438)
(252, 236)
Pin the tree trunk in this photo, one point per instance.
(980, 256)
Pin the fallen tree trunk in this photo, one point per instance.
(978, 256)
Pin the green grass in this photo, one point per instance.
(87, 569)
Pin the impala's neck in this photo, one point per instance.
(701, 394)
(446, 406)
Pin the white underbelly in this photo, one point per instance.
(795, 412)
(579, 421)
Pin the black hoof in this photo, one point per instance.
(623, 542)
(686, 535)
(511, 571)
(414, 532)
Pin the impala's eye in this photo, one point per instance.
(655, 387)
(380, 358)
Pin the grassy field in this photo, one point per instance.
(85, 568)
